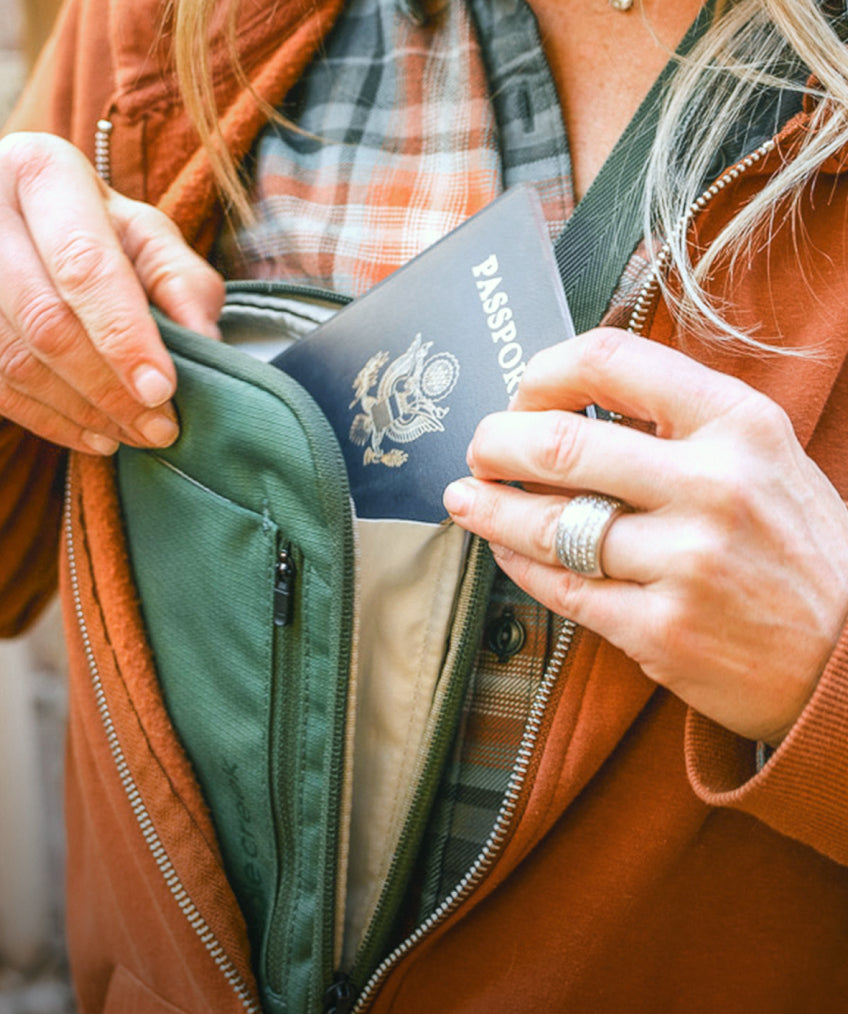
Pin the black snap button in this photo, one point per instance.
(505, 635)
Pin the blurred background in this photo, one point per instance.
(33, 971)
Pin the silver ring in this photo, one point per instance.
(581, 529)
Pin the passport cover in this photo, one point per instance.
(405, 372)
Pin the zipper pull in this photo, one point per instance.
(103, 151)
(340, 997)
(284, 587)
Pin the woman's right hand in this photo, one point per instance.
(81, 361)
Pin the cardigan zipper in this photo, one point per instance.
(494, 844)
(503, 822)
(134, 797)
(103, 150)
(650, 290)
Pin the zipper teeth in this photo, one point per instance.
(464, 607)
(345, 802)
(102, 151)
(493, 844)
(145, 823)
(236, 290)
(648, 292)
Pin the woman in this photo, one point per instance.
(653, 857)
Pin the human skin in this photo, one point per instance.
(81, 362)
(604, 63)
(728, 581)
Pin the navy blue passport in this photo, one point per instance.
(405, 372)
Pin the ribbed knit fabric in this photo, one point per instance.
(795, 790)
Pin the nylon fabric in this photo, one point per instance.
(216, 664)
(252, 702)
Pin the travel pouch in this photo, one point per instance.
(313, 664)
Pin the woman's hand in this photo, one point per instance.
(81, 362)
(728, 584)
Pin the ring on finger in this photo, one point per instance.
(581, 530)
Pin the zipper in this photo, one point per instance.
(256, 286)
(284, 661)
(340, 996)
(145, 823)
(103, 151)
(470, 603)
(301, 896)
(284, 581)
(648, 293)
(494, 844)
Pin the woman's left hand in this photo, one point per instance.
(728, 583)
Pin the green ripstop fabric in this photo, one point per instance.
(205, 522)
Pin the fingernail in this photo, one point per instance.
(99, 443)
(152, 387)
(456, 498)
(158, 428)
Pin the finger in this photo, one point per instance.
(569, 451)
(636, 546)
(630, 375)
(22, 373)
(507, 516)
(55, 363)
(621, 612)
(83, 260)
(51, 425)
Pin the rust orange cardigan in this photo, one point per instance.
(651, 868)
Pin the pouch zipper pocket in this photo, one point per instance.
(470, 610)
(285, 573)
(469, 613)
(309, 714)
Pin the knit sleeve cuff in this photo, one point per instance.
(802, 791)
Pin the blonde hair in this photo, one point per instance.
(748, 45)
(192, 28)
